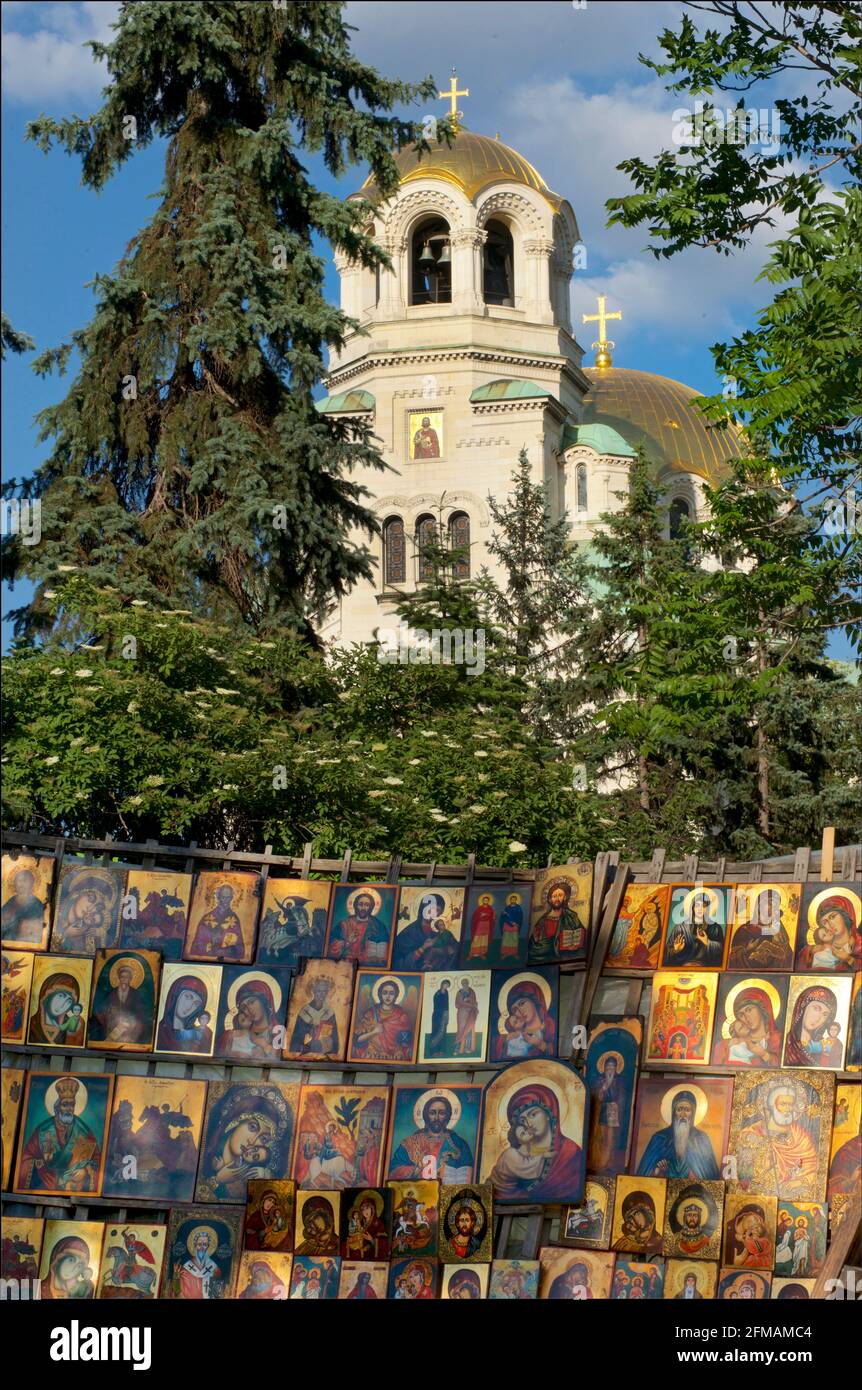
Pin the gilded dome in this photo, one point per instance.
(658, 412)
(472, 162)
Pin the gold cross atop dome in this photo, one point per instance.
(604, 344)
(452, 97)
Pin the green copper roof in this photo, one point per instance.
(514, 389)
(602, 438)
(345, 402)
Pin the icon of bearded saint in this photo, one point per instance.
(777, 1152)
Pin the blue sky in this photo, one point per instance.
(560, 84)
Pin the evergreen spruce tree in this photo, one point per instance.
(188, 460)
(12, 340)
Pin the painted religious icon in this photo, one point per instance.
(454, 1026)
(293, 921)
(415, 1218)
(587, 1224)
(853, 1061)
(415, 1278)
(156, 911)
(154, 1139)
(611, 1076)
(634, 1280)
(62, 1145)
(496, 925)
(87, 911)
(202, 1253)
(187, 1008)
(342, 1131)
(514, 1279)
(800, 1238)
(385, 1017)
(466, 1224)
(71, 1254)
(315, 1277)
(639, 1207)
(845, 1155)
(123, 1011)
(20, 1247)
(17, 978)
(696, 932)
(318, 1015)
(366, 1220)
(524, 1013)
(434, 1133)
(733, 1284)
(749, 1230)
(132, 1259)
(681, 1128)
(533, 1133)
(779, 1133)
(223, 917)
(249, 1132)
(425, 434)
(749, 1021)
(428, 930)
(682, 1010)
(685, 1279)
(763, 935)
(464, 1281)
(560, 915)
(579, 1275)
(59, 999)
(263, 1276)
(25, 913)
(830, 928)
(636, 937)
(269, 1215)
(362, 923)
(693, 1229)
(792, 1288)
(251, 1013)
(818, 1009)
(11, 1093)
(366, 1280)
(317, 1224)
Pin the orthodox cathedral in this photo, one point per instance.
(469, 355)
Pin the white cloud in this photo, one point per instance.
(45, 58)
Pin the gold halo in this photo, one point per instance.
(513, 898)
(558, 881)
(369, 893)
(388, 979)
(618, 1058)
(768, 989)
(368, 1194)
(224, 881)
(682, 1202)
(701, 1102)
(80, 1096)
(134, 965)
(831, 893)
(743, 1278)
(212, 1239)
(271, 983)
(702, 892)
(747, 896)
(566, 1097)
(438, 1093)
(485, 899)
(519, 979)
(110, 884)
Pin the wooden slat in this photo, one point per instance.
(827, 854)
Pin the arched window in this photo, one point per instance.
(394, 552)
(431, 263)
(498, 265)
(679, 513)
(459, 540)
(582, 487)
(426, 535)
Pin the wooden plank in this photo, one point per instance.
(839, 1248)
(827, 854)
(600, 949)
(802, 865)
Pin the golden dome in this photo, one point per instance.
(656, 411)
(472, 162)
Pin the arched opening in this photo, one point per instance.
(394, 552)
(679, 513)
(498, 265)
(431, 263)
(459, 541)
(582, 497)
(426, 535)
